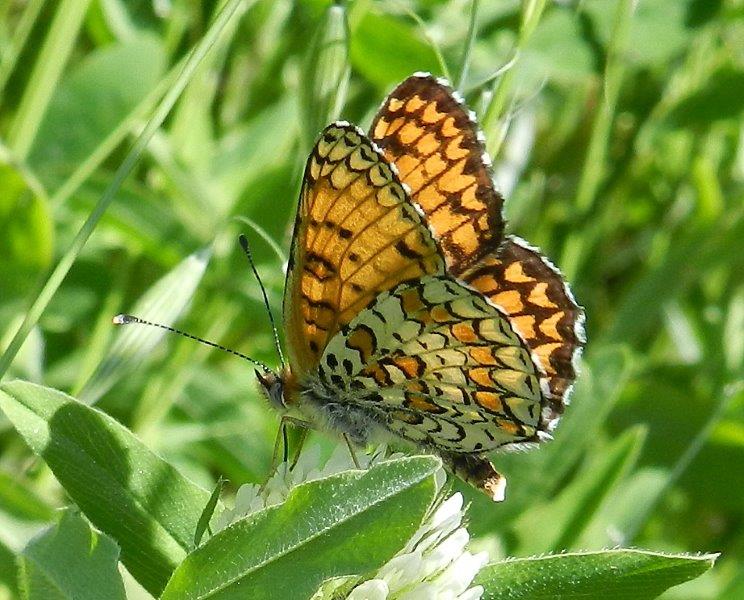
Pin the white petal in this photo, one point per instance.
(402, 570)
(460, 574)
(474, 593)
(447, 551)
(451, 507)
(423, 591)
(340, 461)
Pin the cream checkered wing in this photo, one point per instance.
(439, 365)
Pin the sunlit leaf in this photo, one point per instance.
(608, 574)
(125, 490)
(346, 524)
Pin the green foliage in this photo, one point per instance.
(330, 528)
(384, 49)
(139, 138)
(71, 560)
(121, 486)
(609, 574)
(113, 80)
(27, 235)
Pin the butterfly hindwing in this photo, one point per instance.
(440, 366)
(356, 234)
(540, 307)
(432, 138)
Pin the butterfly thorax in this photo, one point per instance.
(341, 410)
(324, 406)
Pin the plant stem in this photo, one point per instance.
(467, 50)
(20, 35)
(494, 119)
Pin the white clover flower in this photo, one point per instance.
(433, 565)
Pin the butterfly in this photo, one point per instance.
(408, 312)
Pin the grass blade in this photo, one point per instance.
(68, 259)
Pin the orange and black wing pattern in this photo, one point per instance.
(541, 309)
(356, 234)
(432, 138)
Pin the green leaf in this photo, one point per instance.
(125, 490)
(658, 30)
(556, 51)
(386, 50)
(8, 571)
(609, 575)
(20, 501)
(241, 160)
(97, 96)
(721, 99)
(208, 512)
(71, 561)
(349, 523)
(22, 514)
(625, 513)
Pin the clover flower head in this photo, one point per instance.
(434, 564)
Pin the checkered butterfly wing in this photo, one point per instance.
(356, 234)
(424, 129)
(532, 292)
(440, 366)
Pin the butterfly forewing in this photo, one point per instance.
(356, 234)
(426, 131)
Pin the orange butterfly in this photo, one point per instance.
(408, 313)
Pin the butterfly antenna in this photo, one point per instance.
(131, 319)
(246, 248)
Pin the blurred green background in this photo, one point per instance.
(618, 141)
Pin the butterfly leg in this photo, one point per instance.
(350, 446)
(281, 440)
(478, 472)
(304, 430)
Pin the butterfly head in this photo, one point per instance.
(276, 387)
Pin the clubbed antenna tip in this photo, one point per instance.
(124, 319)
